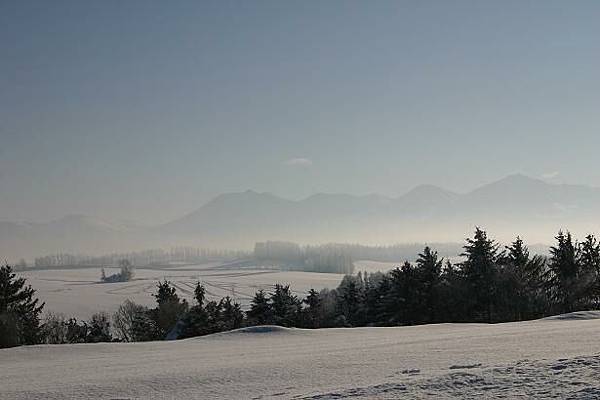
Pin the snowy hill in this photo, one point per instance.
(541, 359)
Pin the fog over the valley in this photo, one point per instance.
(515, 205)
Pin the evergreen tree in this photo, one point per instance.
(380, 301)
(351, 300)
(214, 311)
(402, 301)
(429, 271)
(480, 271)
(564, 268)
(170, 309)
(19, 311)
(412, 310)
(521, 283)
(196, 320)
(199, 294)
(260, 312)
(285, 306)
(589, 256)
(329, 309)
(517, 253)
(453, 291)
(165, 293)
(589, 260)
(232, 316)
(313, 311)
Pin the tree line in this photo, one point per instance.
(328, 258)
(181, 254)
(490, 284)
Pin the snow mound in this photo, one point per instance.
(261, 329)
(266, 330)
(576, 315)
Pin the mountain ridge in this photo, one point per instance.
(516, 204)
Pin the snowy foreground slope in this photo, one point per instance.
(556, 357)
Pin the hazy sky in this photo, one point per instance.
(145, 110)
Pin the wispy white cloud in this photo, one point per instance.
(550, 175)
(299, 162)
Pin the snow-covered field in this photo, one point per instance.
(551, 358)
(374, 266)
(79, 292)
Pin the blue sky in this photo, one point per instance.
(145, 110)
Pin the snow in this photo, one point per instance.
(542, 359)
(375, 266)
(78, 292)
(576, 315)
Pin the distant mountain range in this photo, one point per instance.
(514, 205)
